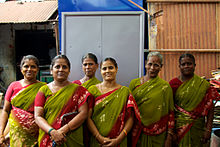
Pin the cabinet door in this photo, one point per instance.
(121, 38)
(115, 34)
(82, 35)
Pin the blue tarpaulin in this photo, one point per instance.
(95, 5)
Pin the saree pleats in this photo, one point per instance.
(57, 104)
(193, 99)
(109, 113)
(188, 96)
(192, 138)
(23, 129)
(151, 141)
(87, 84)
(155, 103)
(191, 93)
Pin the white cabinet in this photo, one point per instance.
(116, 34)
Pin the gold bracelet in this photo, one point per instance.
(170, 132)
(208, 130)
(97, 134)
(125, 132)
(2, 136)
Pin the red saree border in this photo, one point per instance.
(97, 100)
(167, 121)
(23, 88)
(46, 140)
(84, 96)
(183, 130)
(132, 104)
(26, 121)
(201, 110)
(57, 124)
(160, 126)
(127, 112)
(204, 106)
(77, 82)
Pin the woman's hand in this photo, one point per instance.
(57, 136)
(174, 139)
(102, 140)
(168, 142)
(2, 139)
(110, 143)
(206, 137)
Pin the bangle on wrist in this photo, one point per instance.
(170, 132)
(50, 131)
(96, 135)
(208, 130)
(125, 132)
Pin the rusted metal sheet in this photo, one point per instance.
(27, 12)
(205, 63)
(218, 25)
(182, 1)
(183, 26)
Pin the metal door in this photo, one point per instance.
(115, 34)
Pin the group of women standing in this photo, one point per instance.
(89, 112)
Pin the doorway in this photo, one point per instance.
(38, 43)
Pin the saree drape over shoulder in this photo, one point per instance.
(23, 129)
(57, 105)
(111, 111)
(87, 84)
(155, 103)
(193, 99)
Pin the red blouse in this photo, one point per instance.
(13, 88)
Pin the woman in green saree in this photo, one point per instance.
(89, 66)
(113, 111)
(193, 99)
(19, 106)
(61, 108)
(155, 102)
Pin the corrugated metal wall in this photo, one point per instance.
(205, 63)
(218, 24)
(186, 27)
(157, 1)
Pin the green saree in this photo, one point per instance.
(193, 99)
(87, 84)
(110, 112)
(64, 101)
(90, 82)
(23, 129)
(155, 103)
